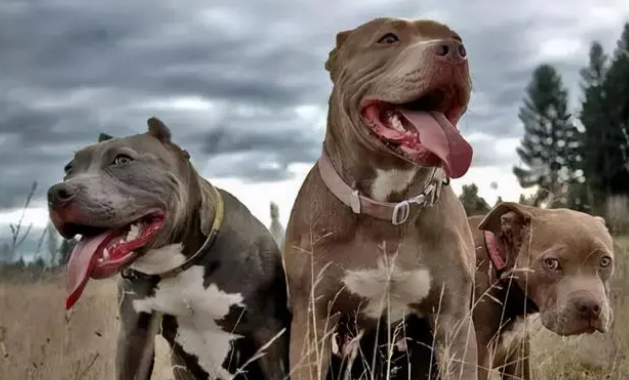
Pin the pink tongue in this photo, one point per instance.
(80, 265)
(441, 138)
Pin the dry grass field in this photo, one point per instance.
(38, 340)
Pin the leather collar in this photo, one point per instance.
(396, 213)
(219, 213)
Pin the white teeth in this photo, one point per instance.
(396, 123)
(100, 260)
(134, 231)
(105, 254)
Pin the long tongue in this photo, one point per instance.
(82, 261)
(441, 138)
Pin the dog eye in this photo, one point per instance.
(122, 159)
(605, 262)
(389, 38)
(552, 264)
(68, 169)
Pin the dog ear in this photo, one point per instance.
(330, 64)
(507, 218)
(159, 130)
(104, 137)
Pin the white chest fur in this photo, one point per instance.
(388, 289)
(389, 181)
(197, 309)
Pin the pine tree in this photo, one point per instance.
(605, 119)
(53, 244)
(550, 146)
(472, 202)
(67, 245)
(616, 90)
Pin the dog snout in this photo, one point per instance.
(450, 50)
(588, 308)
(61, 193)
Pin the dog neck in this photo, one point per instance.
(397, 212)
(376, 174)
(515, 300)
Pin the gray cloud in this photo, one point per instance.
(71, 69)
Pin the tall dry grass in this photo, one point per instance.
(39, 340)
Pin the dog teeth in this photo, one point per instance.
(396, 123)
(134, 231)
(105, 254)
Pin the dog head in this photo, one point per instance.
(399, 87)
(562, 259)
(126, 196)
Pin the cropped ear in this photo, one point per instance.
(104, 137)
(159, 130)
(330, 64)
(507, 219)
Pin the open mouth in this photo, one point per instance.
(422, 130)
(101, 253)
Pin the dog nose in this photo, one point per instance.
(452, 50)
(61, 192)
(588, 309)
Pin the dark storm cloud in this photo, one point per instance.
(72, 69)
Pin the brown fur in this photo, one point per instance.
(324, 238)
(528, 236)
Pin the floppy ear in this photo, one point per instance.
(159, 130)
(330, 64)
(104, 137)
(508, 220)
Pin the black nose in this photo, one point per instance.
(450, 49)
(60, 193)
(589, 309)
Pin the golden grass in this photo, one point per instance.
(39, 340)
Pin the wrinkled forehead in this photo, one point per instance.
(141, 144)
(421, 29)
(573, 230)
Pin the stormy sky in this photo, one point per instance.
(241, 82)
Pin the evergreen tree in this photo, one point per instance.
(5, 253)
(605, 118)
(53, 244)
(67, 245)
(472, 202)
(550, 146)
(595, 120)
(616, 91)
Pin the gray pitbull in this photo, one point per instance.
(186, 250)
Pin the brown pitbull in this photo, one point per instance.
(557, 262)
(375, 233)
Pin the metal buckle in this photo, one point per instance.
(355, 202)
(402, 210)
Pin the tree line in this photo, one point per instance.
(575, 158)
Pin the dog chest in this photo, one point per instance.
(197, 310)
(388, 289)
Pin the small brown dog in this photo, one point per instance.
(375, 232)
(557, 262)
